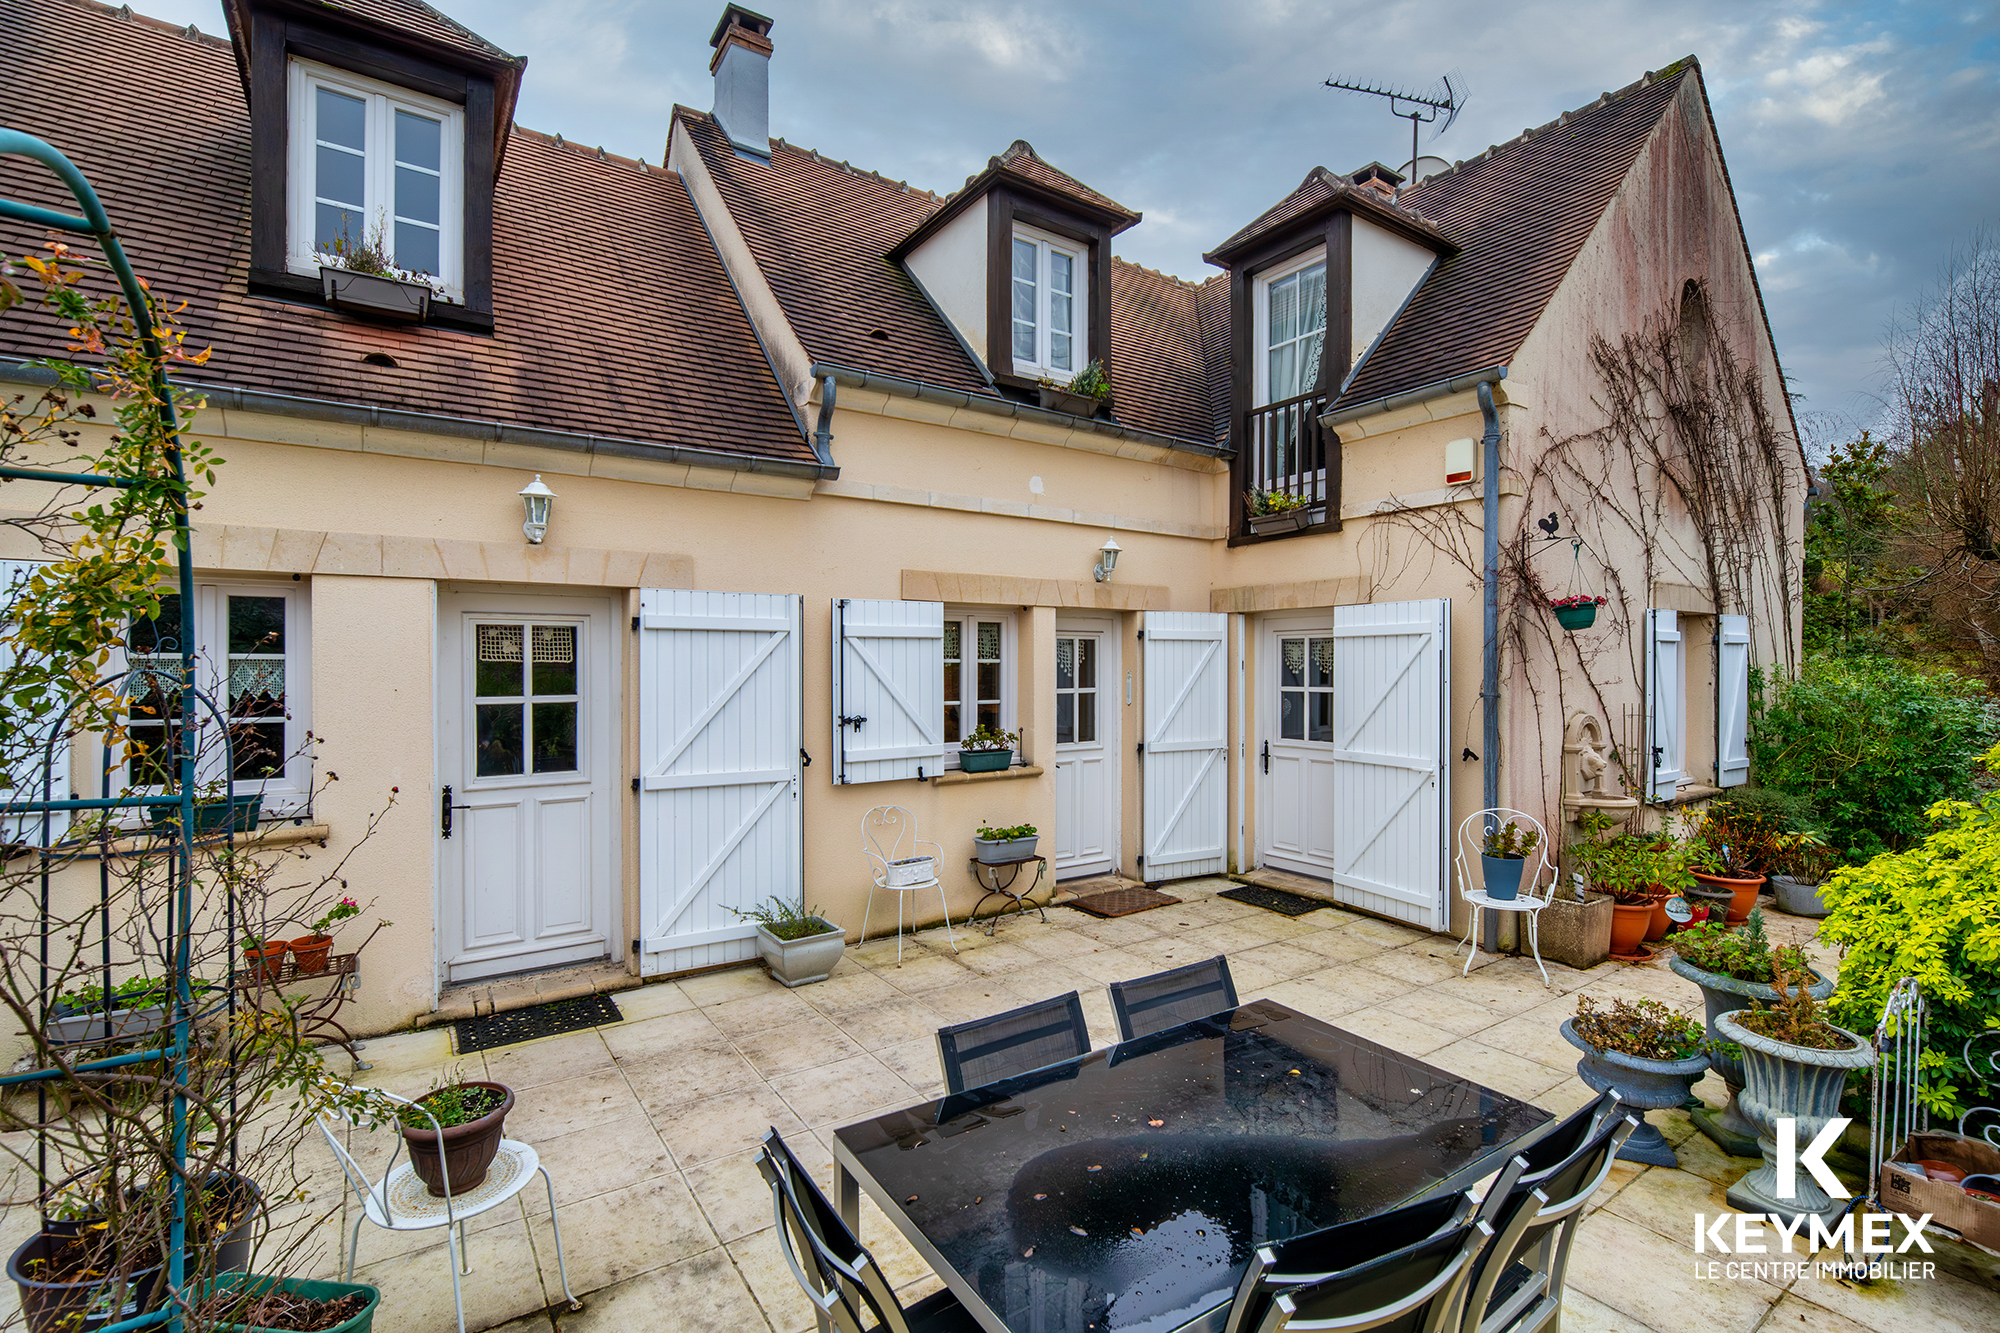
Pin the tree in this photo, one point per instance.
(1848, 531)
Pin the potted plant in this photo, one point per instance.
(1650, 1053)
(1576, 612)
(798, 946)
(137, 1007)
(1796, 1066)
(1735, 966)
(1799, 865)
(999, 846)
(312, 950)
(1276, 511)
(906, 871)
(987, 750)
(1729, 851)
(1575, 927)
(1640, 871)
(266, 957)
(260, 1303)
(1502, 854)
(1081, 396)
(469, 1115)
(362, 275)
(214, 813)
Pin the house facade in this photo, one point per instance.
(813, 525)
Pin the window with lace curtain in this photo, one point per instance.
(1290, 310)
(978, 691)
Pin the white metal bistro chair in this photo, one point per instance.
(399, 1201)
(900, 866)
(1471, 837)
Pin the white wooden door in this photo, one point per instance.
(526, 747)
(1391, 808)
(1295, 759)
(719, 716)
(1185, 763)
(1087, 709)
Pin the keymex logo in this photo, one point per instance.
(1813, 1159)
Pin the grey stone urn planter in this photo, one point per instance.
(1784, 1080)
(1732, 1133)
(1645, 1085)
(1798, 898)
(1576, 934)
(806, 959)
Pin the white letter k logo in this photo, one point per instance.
(1813, 1158)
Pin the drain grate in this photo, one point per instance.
(1275, 900)
(1123, 902)
(543, 1020)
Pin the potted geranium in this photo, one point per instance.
(987, 750)
(1647, 1051)
(799, 946)
(312, 950)
(1081, 395)
(998, 846)
(361, 274)
(1796, 1066)
(455, 1130)
(1502, 854)
(1576, 612)
(1276, 511)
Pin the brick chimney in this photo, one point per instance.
(1377, 177)
(742, 70)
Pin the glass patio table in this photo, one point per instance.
(1126, 1189)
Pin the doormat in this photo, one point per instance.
(542, 1020)
(1275, 900)
(1123, 902)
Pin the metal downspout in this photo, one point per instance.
(822, 439)
(1489, 677)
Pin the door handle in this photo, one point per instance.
(1267, 756)
(445, 807)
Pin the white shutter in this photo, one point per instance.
(1732, 700)
(27, 753)
(1391, 698)
(1185, 763)
(888, 690)
(719, 719)
(1666, 712)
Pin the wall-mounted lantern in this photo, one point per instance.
(1107, 559)
(535, 499)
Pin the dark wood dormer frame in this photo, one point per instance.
(268, 34)
(1008, 206)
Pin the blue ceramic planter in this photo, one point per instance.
(1503, 876)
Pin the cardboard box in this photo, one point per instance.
(1977, 1220)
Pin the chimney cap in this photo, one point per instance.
(736, 16)
(1375, 172)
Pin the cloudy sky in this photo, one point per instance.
(1863, 139)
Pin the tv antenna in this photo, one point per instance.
(1447, 101)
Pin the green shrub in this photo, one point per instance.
(1933, 913)
(1872, 743)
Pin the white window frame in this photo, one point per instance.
(383, 100)
(288, 795)
(967, 619)
(1260, 313)
(1079, 255)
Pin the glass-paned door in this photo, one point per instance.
(1086, 832)
(526, 700)
(1295, 760)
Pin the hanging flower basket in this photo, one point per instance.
(1575, 613)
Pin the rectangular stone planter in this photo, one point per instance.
(801, 961)
(1577, 934)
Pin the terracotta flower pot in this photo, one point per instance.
(267, 960)
(1659, 923)
(468, 1148)
(312, 952)
(1628, 927)
(1742, 893)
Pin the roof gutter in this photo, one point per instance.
(382, 418)
(1411, 397)
(898, 387)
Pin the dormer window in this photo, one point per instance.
(1048, 300)
(373, 165)
(1291, 328)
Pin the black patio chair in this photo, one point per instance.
(1534, 1207)
(847, 1288)
(1146, 1005)
(987, 1050)
(1415, 1289)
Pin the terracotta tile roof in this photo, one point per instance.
(612, 313)
(1212, 320)
(1521, 211)
(413, 16)
(1021, 159)
(1159, 382)
(1322, 188)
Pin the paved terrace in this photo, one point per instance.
(648, 1125)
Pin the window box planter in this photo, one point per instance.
(1574, 618)
(1787, 1081)
(385, 298)
(1646, 1085)
(1798, 898)
(1000, 851)
(1075, 404)
(807, 959)
(1291, 520)
(240, 814)
(1722, 994)
(71, 1023)
(984, 761)
(912, 870)
(256, 1284)
(469, 1148)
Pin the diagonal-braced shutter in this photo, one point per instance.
(888, 690)
(1185, 762)
(25, 753)
(1666, 715)
(1732, 700)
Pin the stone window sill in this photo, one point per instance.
(952, 777)
(1691, 795)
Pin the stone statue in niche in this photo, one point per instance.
(1586, 760)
